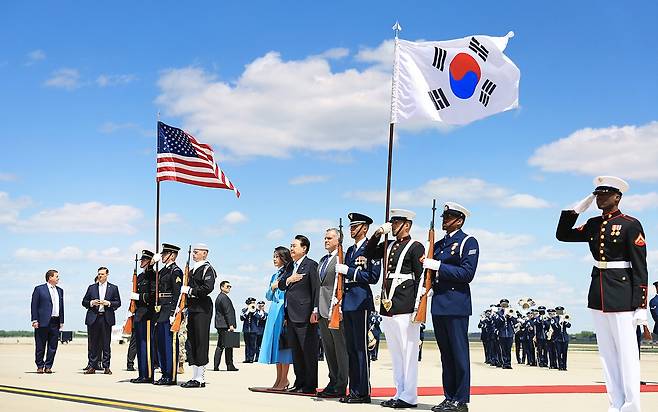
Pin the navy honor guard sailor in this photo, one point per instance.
(618, 290)
(455, 261)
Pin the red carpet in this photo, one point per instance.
(487, 390)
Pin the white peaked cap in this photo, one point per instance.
(611, 181)
(200, 246)
(402, 214)
(456, 207)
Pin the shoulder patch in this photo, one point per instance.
(472, 251)
(639, 241)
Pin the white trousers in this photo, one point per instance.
(402, 339)
(617, 341)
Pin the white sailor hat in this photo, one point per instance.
(402, 214)
(606, 184)
(200, 246)
(455, 209)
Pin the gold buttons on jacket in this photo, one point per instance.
(602, 237)
(602, 244)
(623, 278)
(605, 222)
(602, 257)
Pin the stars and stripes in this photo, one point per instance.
(183, 159)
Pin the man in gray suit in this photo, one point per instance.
(333, 340)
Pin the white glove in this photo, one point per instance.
(584, 204)
(341, 268)
(185, 289)
(134, 296)
(386, 228)
(172, 319)
(640, 317)
(431, 264)
(130, 314)
(156, 258)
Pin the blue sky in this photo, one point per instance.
(294, 97)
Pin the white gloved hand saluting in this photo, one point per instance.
(640, 317)
(341, 268)
(584, 204)
(386, 228)
(431, 264)
(185, 289)
(134, 296)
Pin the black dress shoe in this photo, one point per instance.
(358, 399)
(507, 367)
(163, 381)
(193, 384)
(308, 391)
(389, 403)
(294, 389)
(232, 369)
(441, 407)
(141, 380)
(400, 404)
(130, 368)
(455, 406)
(329, 393)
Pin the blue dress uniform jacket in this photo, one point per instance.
(614, 237)
(653, 308)
(459, 258)
(144, 307)
(171, 280)
(361, 274)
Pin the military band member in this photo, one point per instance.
(505, 325)
(562, 337)
(170, 282)
(483, 325)
(261, 317)
(540, 337)
(519, 339)
(248, 318)
(199, 310)
(360, 272)
(551, 328)
(144, 321)
(618, 289)
(455, 261)
(531, 354)
(399, 289)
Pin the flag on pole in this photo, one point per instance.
(454, 81)
(183, 159)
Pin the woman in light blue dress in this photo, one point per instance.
(270, 352)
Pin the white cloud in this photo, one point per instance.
(312, 226)
(550, 252)
(10, 208)
(35, 56)
(166, 218)
(306, 179)
(336, 53)
(277, 106)
(68, 79)
(90, 217)
(638, 203)
(65, 253)
(248, 268)
(461, 189)
(380, 55)
(516, 278)
(629, 151)
(235, 217)
(110, 254)
(105, 80)
(275, 234)
(7, 177)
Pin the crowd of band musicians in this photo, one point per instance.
(332, 298)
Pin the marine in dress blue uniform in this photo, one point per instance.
(144, 321)
(455, 262)
(359, 273)
(169, 285)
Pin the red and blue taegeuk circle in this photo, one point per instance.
(464, 75)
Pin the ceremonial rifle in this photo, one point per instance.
(182, 297)
(337, 298)
(128, 326)
(421, 312)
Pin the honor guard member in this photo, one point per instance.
(562, 338)
(618, 290)
(454, 262)
(170, 282)
(144, 321)
(653, 307)
(199, 311)
(359, 273)
(400, 287)
(505, 324)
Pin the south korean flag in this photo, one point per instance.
(453, 82)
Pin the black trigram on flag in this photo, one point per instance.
(479, 49)
(487, 90)
(439, 58)
(439, 99)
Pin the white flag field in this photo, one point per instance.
(453, 82)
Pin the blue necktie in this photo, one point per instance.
(323, 268)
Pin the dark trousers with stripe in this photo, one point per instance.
(451, 334)
(506, 350)
(46, 338)
(167, 350)
(144, 339)
(250, 346)
(355, 325)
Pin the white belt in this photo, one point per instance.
(612, 265)
(401, 276)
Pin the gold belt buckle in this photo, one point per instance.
(603, 265)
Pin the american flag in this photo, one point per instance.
(183, 159)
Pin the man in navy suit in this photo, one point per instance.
(455, 261)
(47, 320)
(101, 300)
(302, 283)
(360, 273)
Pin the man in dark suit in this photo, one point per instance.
(301, 283)
(101, 300)
(224, 322)
(47, 320)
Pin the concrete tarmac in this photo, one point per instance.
(228, 391)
